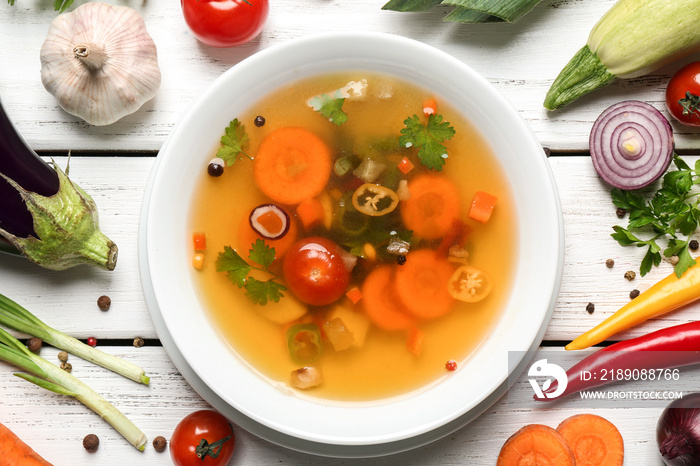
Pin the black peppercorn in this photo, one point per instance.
(693, 245)
(634, 293)
(259, 121)
(215, 167)
(34, 344)
(401, 260)
(590, 308)
(91, 442)
(609, 263)
(103, 302)
(620, 212)
(159, 444)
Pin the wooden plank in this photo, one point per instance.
(68, 299)
(55, 425)
(520, 60)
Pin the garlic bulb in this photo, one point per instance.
(99, 62)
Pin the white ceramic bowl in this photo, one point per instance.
(318, 426)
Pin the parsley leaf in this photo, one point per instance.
(260, 292)
(672, 211)
(237, 270)
(428, 139)
(261, 253)
(330, 107)
(234, 141)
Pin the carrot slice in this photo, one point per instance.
(311, 212)
(421, 284)
(200, 241)
(594, 440)
(414, 340)
(13, 450)
(247, 236)
(430, 106)
(292, 164)
(433, 206)
(354, 294)
(482, 206)
(381, 304)
(536, 445)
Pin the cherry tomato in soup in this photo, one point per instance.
(203, 438)
(683, 95)
(315, 272)
(225, 23)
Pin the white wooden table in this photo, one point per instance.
(112, 163)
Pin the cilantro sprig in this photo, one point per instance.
(428, 138)
(233, 143)
(331, 107)
(672, 213)
(258, 291)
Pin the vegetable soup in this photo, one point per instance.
(353, 237)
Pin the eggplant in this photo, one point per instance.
(43, 215)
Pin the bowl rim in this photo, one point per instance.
(335, 443)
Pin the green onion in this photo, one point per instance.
(470, 11)
(51, 377)
(15, 316)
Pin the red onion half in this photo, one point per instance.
(678, 431)
(631, 145)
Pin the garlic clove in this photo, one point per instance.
(100, 62)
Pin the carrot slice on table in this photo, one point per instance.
(292, 164)
(536, 445)
(421, 284)
(381, 304)
(247, 236)
(432, 207)
(594, 440)
(13, 450)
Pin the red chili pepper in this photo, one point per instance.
(667, 348)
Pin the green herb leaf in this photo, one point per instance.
(260, 292)
(685, 260)
(60, 5)
(234, 141)
(330, 107)
(237, 269)
(671, 211)
(428, 139)
(262, 254)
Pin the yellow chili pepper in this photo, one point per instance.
(665, 296)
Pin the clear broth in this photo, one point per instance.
(383, 366)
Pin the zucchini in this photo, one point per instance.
(632, 39)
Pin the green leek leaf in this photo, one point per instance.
(410, 5)
(504, 10)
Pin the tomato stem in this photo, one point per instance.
(212, 450)
(690, 104)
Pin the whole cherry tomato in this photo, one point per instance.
(315, 272)
(225, 23)
(683, 95)
(202, 438)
